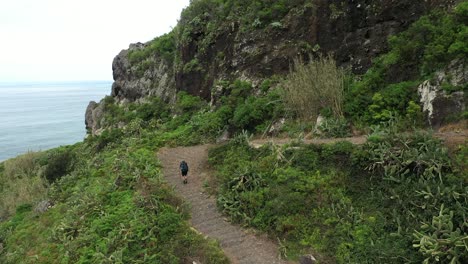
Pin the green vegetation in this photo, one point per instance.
(20, 183)
(387, 88)
(396, 198)
(312, 88)
(399, 198)
(206, 15)
(110, 203)
(164, 46)
(144, 58)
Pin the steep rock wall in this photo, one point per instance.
(132, 83)
(354, 31)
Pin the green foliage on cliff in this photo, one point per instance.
(205, 16)
(163, 46)
(428, 45)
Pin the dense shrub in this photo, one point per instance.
(188, 104)
(281, 191)
(154, 108)
(422, 193)
(107, 137)
(164, 46)
(59, 163)
(255, 111)
(206, 15)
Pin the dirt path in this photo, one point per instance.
(280, 141)
(451, 139)
(238, 244)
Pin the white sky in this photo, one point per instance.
(60, 40)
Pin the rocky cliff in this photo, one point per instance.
(211, 44)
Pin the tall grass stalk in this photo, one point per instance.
(311, 87)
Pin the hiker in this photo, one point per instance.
(183, 170)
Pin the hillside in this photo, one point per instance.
(386, 73)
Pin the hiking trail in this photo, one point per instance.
(241, 246)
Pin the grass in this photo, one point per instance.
(111, 206)
(377, 202)
(21, 182)
(313, 87)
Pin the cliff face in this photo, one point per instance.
(132, 84)
(354, 31)
(208, 49)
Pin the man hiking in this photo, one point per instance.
(183, 170)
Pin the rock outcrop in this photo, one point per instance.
(132, 83)
(94, 117)
(438, 104)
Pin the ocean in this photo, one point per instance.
(40, 116)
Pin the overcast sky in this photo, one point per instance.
(60, 40)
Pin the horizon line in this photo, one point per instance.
(52, 81)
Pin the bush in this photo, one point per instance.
(108, 136)
(255, 111)
(188, 104)
(154, 109)
(59, 163)
(426, 196)
(310, 88)
(395, 98)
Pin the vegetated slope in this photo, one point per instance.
(102, 205)
(398, 198)
(240, 245)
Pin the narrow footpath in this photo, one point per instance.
(241, 246)
(238, 244)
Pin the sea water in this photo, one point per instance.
(40, 116)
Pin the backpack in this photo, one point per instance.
(183, 166)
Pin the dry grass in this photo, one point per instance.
(309, 88)
(21, 182)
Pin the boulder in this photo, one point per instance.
(307, 259)
(89, 121)
(320, 120)
(224, 137)
(438, 104)
(276, 127)
(43, 206)
(94, 117)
